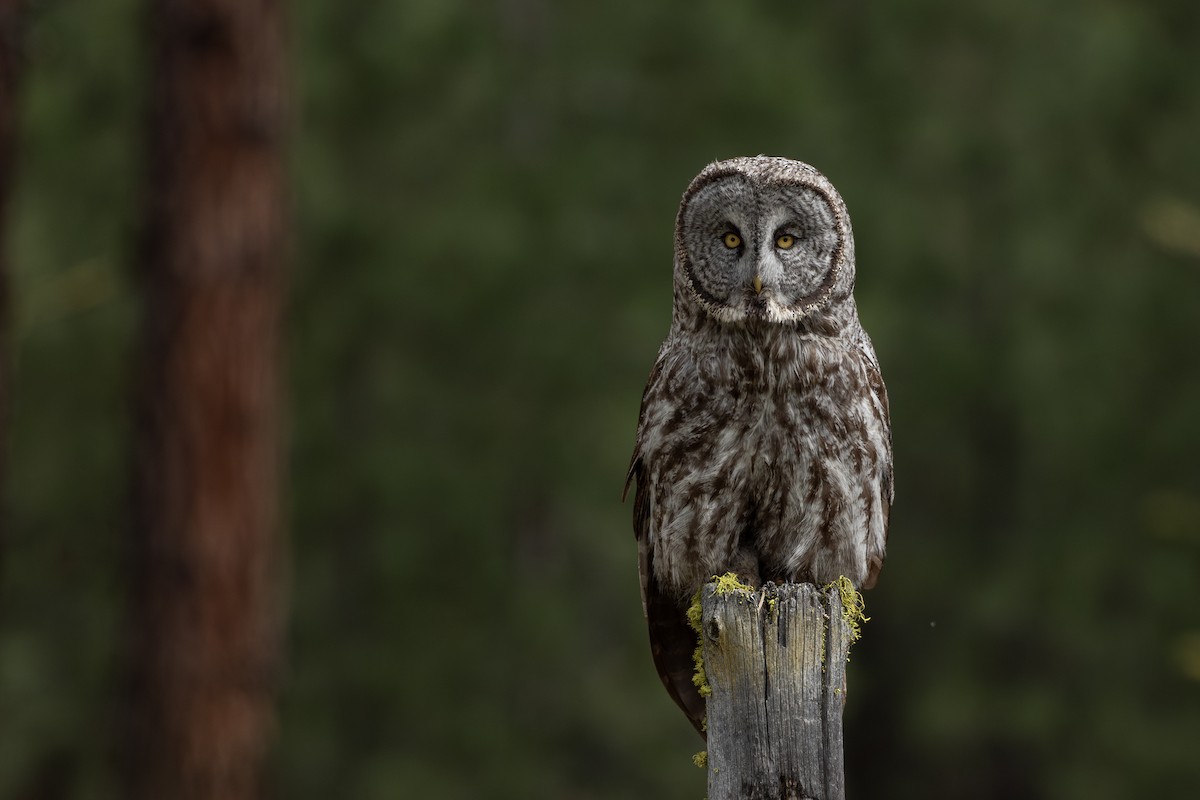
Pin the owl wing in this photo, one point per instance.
(882, 411)
(672, 640)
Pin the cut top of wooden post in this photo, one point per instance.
(776, 661)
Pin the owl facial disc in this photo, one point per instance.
(756, 242)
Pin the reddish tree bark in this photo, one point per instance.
(205, 616)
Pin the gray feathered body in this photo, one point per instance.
(764, 442)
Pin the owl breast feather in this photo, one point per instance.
(768, 459)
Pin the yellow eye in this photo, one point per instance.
(732, 240)
(785, 241)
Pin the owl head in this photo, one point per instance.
(762, 239)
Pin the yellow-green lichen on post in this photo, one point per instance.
(725, 584)
(853, 606)
(729, 583)
(699, 678)
(701, 759)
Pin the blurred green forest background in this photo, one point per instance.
(483, 200)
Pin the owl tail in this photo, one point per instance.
(673, 644)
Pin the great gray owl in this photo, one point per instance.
(764, 440)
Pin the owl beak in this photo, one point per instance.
(758, 284)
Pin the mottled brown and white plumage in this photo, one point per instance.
(764, 442)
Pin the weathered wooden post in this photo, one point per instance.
(775, 660)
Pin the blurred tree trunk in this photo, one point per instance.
(205, 615)
(12, 27)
